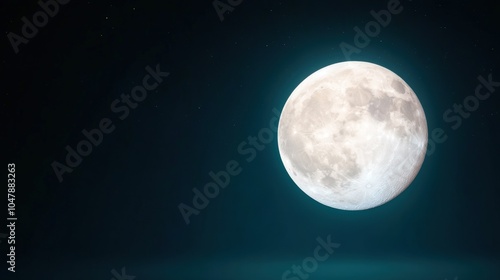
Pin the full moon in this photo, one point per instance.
(352, 135)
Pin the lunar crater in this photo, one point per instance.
(398, 86)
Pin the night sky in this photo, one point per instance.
(217, 74)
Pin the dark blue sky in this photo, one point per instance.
(119, 205)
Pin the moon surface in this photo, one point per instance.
(352, 135)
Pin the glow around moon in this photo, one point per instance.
(352, 135)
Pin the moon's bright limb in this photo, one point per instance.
(352, 135)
